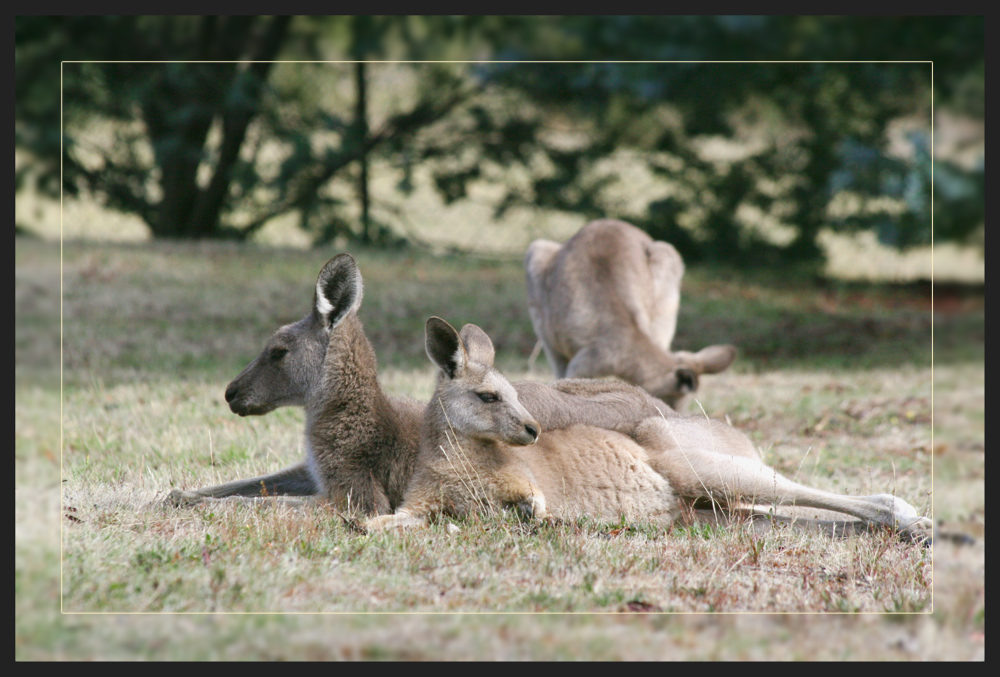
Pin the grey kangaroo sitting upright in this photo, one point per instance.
(475, 456)
(361, 443)
(605, 304)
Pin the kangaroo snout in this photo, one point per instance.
(532, 429)
(526, 434)
(237, 404)
(687, 380)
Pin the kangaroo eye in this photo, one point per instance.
(488, 397)
(277, 353)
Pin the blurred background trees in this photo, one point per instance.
(210, 150)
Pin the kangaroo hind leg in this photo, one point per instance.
(699, 467)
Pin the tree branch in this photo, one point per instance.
(406, 124)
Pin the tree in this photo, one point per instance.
(216, 79)
(835, 117)
(824, 124)
(177, 104)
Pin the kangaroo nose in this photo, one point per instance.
(687, 380)
(531, 429)
(230, 392)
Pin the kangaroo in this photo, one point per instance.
(470, 458)
(361, 443)
(605, 304)
(470, 462)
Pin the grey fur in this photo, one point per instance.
(605, 304)
(360, 441)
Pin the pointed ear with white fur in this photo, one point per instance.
(338, 290)
(444, 347)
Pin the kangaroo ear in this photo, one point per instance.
(478, 345)
(714, 359)
(338, 290)
(444, 346)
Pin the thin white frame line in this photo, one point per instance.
(391, 61)
(609, 613)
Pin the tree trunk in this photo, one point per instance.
(811, 199)
(200, 90)
(235, 120)
(361, 119)
(361, 43)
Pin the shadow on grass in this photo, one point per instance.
(803, 322)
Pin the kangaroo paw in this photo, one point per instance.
(184, 499)
(533, 506)
(920, 530)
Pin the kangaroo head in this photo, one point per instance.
(477, 400)
(682, 380)
(290, 367)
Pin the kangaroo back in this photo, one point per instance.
(606, 304)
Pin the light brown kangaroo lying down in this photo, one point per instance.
(605, 304)
(482, 450)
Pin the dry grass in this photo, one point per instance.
(126, 446)
(145, 368)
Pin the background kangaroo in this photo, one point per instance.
(361, 443)
(605, 304)
(469, 457)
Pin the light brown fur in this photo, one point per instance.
(606, 303)
(471, 457)
(474, 457)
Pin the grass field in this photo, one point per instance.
(833, 383)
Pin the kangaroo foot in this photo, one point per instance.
(398, 520)
(904, 518)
